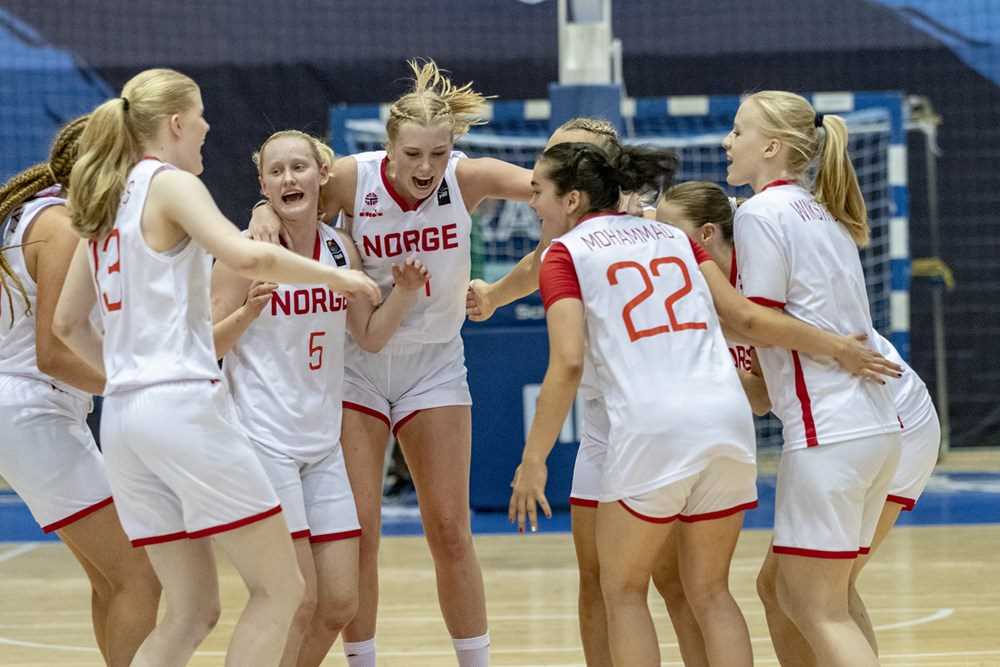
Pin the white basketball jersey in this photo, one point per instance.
(155, 306)
(387, 231)
(286, 372)
(909, 393)
(17, 342)
(674, 400)
(794, 254)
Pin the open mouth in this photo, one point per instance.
(423, 183)
(292, 197)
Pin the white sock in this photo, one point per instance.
(360, 654)
(474, 651)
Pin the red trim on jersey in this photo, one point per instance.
(402, 422)
(233, 525)
(76, 516)
(700, 256)
(767, 303)
(333, 537)
(814, 553)
(159, 539)
(648, 519)
(316, 247)
(598, 214)
(396, 197)
(776, 183)
(733, 271)
(907, 503)
(557, 278)
(364, 409)
(583, 502)
(864, 551)
(720, 514)
(299, 534)
(803, 394)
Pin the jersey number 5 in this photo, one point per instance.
(647, 291)
(110, 283)
(315, 351)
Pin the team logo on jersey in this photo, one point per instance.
(336, 252)
(128, 192)
(371, 202)
(444, 197)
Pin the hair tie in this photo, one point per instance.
(819, 120)
(124, 103)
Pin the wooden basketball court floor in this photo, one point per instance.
(933, 593)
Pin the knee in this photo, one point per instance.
(306, 611)
(618, 587)
(336, 612)
(590, 582)
(450, 541)
(797, 605)
(197, 621)
(670, 589)
(767, 589)
(286, 592)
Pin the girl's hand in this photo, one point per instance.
(528, 493)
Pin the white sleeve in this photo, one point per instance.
(762, 260)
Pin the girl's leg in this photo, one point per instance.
(126, 592)
(263, 554)
(363, 438)
(437, 444)
(337, 597)
(855, 605)
(627, 547)
(186, 568)
(705, 552)
(790, 644)
(593, 621)
(298, 633)
(667, 579)
(813, 594)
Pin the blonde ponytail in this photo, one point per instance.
(113, 141)
(435, 99)
(837, 185)
(790, 118)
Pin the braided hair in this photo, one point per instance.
(28, 183)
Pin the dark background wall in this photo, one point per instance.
(266, 66)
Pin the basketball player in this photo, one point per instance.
(415, 198)
(283, 348)
(149, 225)
(663, 461)
(797, 250)
(50, 458)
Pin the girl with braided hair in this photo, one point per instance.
(50, 458)
(414, 199)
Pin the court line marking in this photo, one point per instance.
(18, 551)
(936, 616)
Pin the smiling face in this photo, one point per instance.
(554, 211)
(290, 178)
(749, 153)
(419, 155)
(190, 129)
